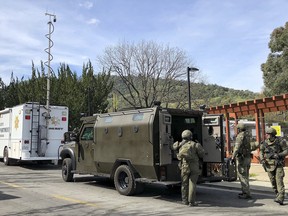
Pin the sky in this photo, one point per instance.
(226, 39)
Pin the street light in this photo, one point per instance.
(188, 80)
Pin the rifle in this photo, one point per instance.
(269, 155)
(273, 154)
(264, 165)
(262, 162)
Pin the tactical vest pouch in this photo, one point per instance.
(245, 152)
(280, 162)
(271, 162)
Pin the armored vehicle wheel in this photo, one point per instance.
(139, 188)
(124, 180)
(6, 159)
(67, 175)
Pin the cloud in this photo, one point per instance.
(227, 40)
(93, 21)
(86, 4)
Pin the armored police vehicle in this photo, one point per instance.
(133, 147)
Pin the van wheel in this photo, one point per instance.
(67, 175)
(6, 159)
(124, 180)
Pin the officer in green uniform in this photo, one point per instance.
(242, 154)
(272, 155)
(189, 153)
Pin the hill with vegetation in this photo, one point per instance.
(208, 94)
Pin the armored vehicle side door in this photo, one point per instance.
(86, 149)
(212, 136)
(165, 139)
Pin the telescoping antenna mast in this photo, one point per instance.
(52, 17)
(50, 58)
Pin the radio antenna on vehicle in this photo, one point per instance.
(52, 17)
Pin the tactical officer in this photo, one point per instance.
(189, 153)
(242, 154)
(272, 156)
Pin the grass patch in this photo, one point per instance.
(252, 175)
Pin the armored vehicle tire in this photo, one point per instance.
(67, 175)
(6, 159)
(124, 180)
(139, 187)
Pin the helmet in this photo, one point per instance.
(271, 131)
(241, 126)
(186, 134)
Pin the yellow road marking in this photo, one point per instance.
(11, 185)
(74, 200)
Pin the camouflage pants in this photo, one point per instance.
(276, 178)
(243, 167)
(188, 188)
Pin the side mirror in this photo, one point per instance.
(70, 136)
(67, 137)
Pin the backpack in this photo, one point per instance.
(186, 151)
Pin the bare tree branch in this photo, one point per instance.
(148, 71)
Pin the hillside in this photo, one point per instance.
(219, 95)
(209, 94)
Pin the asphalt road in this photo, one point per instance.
(39, 190)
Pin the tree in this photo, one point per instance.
(66, 91)
(11, 97)
(95, 89)
(147, 71)
(85, 94)
(275, 70)
(33, 89)
(2, 94)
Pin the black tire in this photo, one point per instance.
(67, 175)
(6, 159)
(139, 187)
(124, 180)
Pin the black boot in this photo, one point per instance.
(280, 202)
(244, 196)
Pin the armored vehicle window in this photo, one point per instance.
(190, 120)
(108, 119)
(87, 134)
(167, 119)
(211, 120)
(138, 117)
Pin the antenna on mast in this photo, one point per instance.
(50, 58)
(49, 69)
